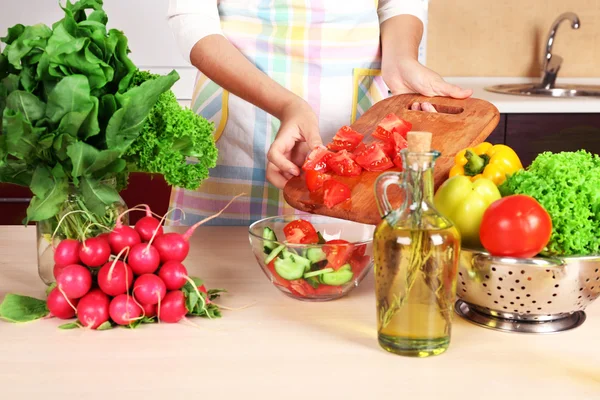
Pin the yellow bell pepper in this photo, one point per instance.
(493, 162)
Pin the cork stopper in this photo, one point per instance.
(419, 142)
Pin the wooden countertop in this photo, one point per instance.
(279, 348)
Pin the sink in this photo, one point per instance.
(551, 65)
(530, 89)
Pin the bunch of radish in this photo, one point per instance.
(128, 276)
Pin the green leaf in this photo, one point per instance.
(28, 79)
(11, 83)
(50, 193)
(106, 325)
(21, 136)
(16, 308)
(3, 96)
(20, 47)
(87, 159)
(50, 288)
(17, 172)
(90, 126)
(29, 105)
(58, 171)
(13, 33)
(98, 195)
(62, 141)
(3, 66)
(124, 67)
(70, 95)
(70, 325)
(126, 123)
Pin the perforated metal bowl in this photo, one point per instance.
(534, 295)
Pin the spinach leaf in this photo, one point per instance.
(126, 123)
(20, 47)
(17, 172)
(70, 95)
(16, 308)
(49, 194)
(70, 325)
(13, 33)
(21, 136)
(3, 66)
(29, 105)
(87, 159)
(98, 195)
(3, 96)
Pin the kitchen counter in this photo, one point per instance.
(508, 104)
(278, 348)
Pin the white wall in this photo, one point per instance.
(143, 22)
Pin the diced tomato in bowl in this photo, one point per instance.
(325, 268)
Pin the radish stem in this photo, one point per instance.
(191, 230)
(110, 271)
(159, 225)
(67, 299)
(61, 221)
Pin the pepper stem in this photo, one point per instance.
(475, 164)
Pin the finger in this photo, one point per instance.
(428, 107)
(280, 152)
(275, 176)
(312, 137)
(415, 106)
(446, 89)
(299, 153)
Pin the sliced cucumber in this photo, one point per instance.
(339, 277)
(270, 239)
(313, 281)
(274, 253)
(315, 255)
(289, 269)
(317, 273)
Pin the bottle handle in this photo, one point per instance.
(382, 183)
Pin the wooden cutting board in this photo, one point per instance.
(457, 124)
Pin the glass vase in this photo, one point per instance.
(416, 254)
(73, 221)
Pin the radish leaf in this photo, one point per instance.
(98, 195)
(17, 308)
(70, 325)
(50, 193)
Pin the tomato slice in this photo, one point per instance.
(359, 149)
(343, 164)
(373, 158)
(301, 288)
(338, 252)
(334, 193)
(329, 290)
(317, 159)
(346, 138)
(391, 123)
(359, 263)
(301, 231)
(315, 179)
(359, 250)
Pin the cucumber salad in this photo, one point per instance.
(319, 268)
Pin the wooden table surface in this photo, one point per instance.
(279, 348)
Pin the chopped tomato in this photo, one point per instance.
(315, 179)
(391, 123)
(358, 264)
(301, 288)
(399, 144)
(374, 158)
(277, 279)
(398, 162)
(359, 149)
(338, 252)
(334, 193)
(317, 159)
(345, 139)
(342, 164)
(326, 289)
(359, 250)
(301, 231)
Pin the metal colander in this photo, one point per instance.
(535, 295)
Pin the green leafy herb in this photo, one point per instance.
(105, 326)
(70, 325)
(17, 308)
(201, 306)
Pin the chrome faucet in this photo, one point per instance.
(552, 62)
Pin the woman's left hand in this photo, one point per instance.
(409, 76)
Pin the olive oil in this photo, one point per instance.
(415, 274)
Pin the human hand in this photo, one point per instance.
(298, 134)
(409, 76)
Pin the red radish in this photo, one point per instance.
(56, 271)
(122, 237)
(149, 310)
(75, 281)
(115, 278)
(123, 310)
(59, 305)
(149, 289)
(67, 252)
(172, 309)
(94, 252)
(143, 259)
(173, 246)
(174, 275)
(147, 225)
(92, 310)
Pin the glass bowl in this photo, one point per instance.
(324, 271)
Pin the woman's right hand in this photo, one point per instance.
(298, 134)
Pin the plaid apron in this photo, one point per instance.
(325, 51)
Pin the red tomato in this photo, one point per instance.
(300, 231)
(515, 226)
(359, 250)
(329, 290)
(373, 158)
(301, 288)
(342, 164)
(359, 264)
(317, 160)
(345, 139)
(315, 179)
(334, 193)
(391, 123)
(338, 252)
(359, 149)
(277, 279)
